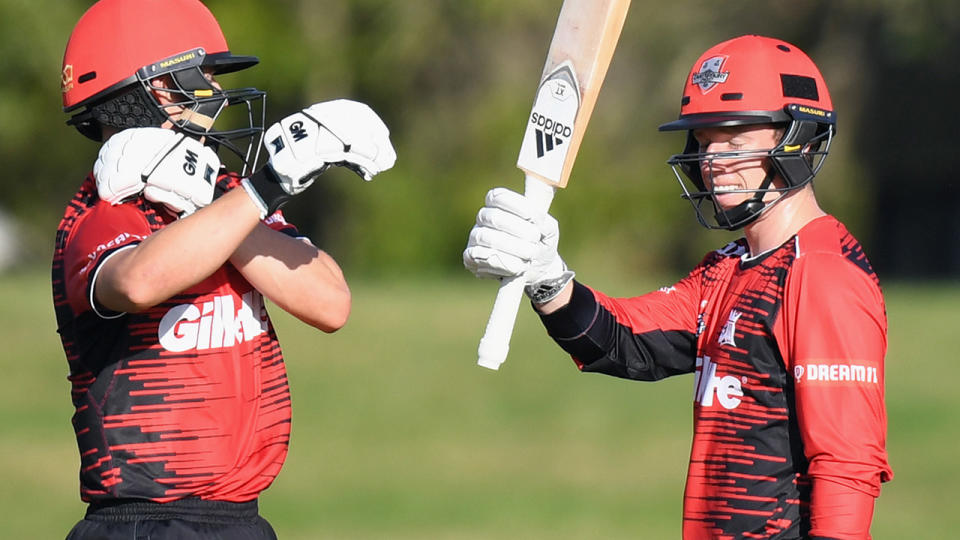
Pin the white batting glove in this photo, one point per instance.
(166, 166)
(182, 175)
(303, 145)
(122, 159)
(511, 238)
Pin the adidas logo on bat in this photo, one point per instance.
(549, 133)
(546, 142)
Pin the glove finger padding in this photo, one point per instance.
(510, 239)
(514, 203)
(182, 176)
(340, 132)
(501, 220)
(525, 248)
(365, 139)
(122, 158)
(304, 144)
(485, 262)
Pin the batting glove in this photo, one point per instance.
(182, 175)
(166, 166)
(122, 158)
(511, 238)
(305, 144)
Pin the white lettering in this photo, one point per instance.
(706, 383)
(213, 324)
(858, 373)
(177, 330)
(227, 328)
(116, 242)
(203, 334)
(836, 373)
(252, 316)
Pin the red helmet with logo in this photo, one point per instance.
(119, 46)
(753, 80)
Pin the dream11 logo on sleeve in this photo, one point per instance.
(835, 373)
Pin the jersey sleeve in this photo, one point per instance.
(102, 232)
(278, 222)
(835, 328)
(648, 337)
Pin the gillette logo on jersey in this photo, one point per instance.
(707, 384)
(213, 324)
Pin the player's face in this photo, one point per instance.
(736, 164)
(169, 101)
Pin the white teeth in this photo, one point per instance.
(718, 189)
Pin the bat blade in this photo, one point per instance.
(583, 43)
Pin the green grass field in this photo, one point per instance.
(397, 433)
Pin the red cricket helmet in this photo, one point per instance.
(752, 80)
(118, 46)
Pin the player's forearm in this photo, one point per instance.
(839, 512)
(177, 257)
(570, 323)
(296, 276)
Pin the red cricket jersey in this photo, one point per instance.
(187, 398)
(787, 354)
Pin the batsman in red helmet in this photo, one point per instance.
(162, 263)
(784, 330)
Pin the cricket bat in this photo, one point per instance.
(583, 42)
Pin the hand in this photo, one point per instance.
(182, 175)
(512, 239)
(303, 145)
(166, 166)
(122, 158)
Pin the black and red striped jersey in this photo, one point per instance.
(786, 351)
(186, 399)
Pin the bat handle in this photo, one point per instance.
(495, 343)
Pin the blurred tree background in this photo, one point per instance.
(454, 79)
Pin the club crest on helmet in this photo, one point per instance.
(66, 79)
(710, 75)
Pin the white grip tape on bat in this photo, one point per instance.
(495, 343)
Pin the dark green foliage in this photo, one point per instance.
(454, 79)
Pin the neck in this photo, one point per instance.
(787, 216)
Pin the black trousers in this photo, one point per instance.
(188, 519)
